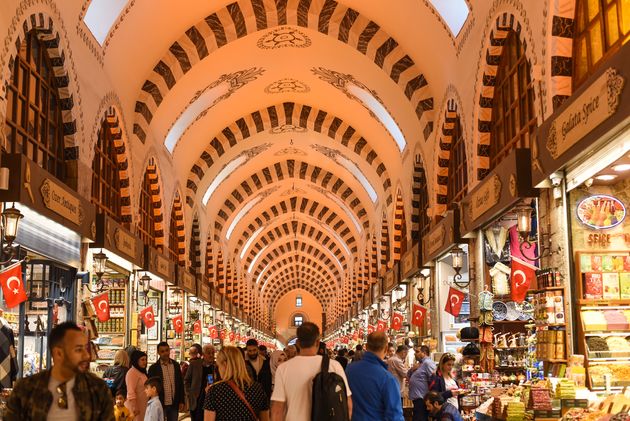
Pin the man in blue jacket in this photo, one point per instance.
(375, 391)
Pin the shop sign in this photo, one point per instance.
(598, 102)
(125, 242)
(436, 239)
(162, 265)
(391, 279)
(486, 197)
(217, 300)
(158, 264)
(601, 211)
(441, 237)
(58, 200)
(410, 262)
(376, 290)
(366, 299)
(204, 291)
(189, 282)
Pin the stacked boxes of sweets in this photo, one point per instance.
(605, 276)
(551, 344)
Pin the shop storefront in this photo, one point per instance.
(216, 330)
(583, 153)
(446, 254)
(192, 310)
(50, 260)
(412, 282)
(207, 312)
(115, 258)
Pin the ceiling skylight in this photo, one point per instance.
(240, 214)
(251, 240)
(101, 15)
(453, 12)
(222, 175)
(372, 104)
(350, 166)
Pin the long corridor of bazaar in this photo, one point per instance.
(454, 173)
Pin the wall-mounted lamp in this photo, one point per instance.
(457, 259)
(524, 227)
(100, 265)
(422, 299)
(175, 307)
(10, 224)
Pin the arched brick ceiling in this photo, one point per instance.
(300, 170)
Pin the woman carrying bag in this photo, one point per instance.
(236, 397)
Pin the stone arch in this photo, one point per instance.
(178, 213)
(492, 50)
(277, 118)
(246, 17)
(325, 269)
(386, 262)
(156, 197)
(194, 251)
(419, 218)
(400, 227)
(287, 170)
(211, 273)
(561, 50)
(281, 251)
(444, 156)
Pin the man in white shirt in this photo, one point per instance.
(291, 398)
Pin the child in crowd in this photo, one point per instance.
(121, 412)
(152, 388)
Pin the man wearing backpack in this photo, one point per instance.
(376, 390)
(293, 390)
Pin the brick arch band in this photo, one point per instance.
(277, 117)
(291, 259)
(156, 199)
(503, 24)
(178, 213)
(195, 245)
(444, 156)
(400, 227)
(246, 17)
(281, 251)
(561, 50)
(285, 170)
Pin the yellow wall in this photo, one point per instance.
(311, 310)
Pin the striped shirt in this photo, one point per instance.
(168, 379)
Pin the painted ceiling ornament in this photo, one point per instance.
(282, 37)
(287, 128)
(290, 151)
(326, 151)
(287, 85)
(342, 80)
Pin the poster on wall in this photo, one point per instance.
(601, 211)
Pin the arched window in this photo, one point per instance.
(298, 301)
(457, 167)
(146, 227)
(34, 124)
(601, 27)
(513, 116)
(297, 321)
(105, 180)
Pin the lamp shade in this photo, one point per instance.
(145, 280)
(10, 221)
(100, 263)
(523, 220)
(457, 256)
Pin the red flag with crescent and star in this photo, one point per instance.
(223, 334)
(148, 317)
(101, 305)
(521, 278)
(231, 336)
(397, 321)
(178, 323)
(361, 333)
(454, 301)
(213, 332)
(381, 326)
(418, 315)
(197, 326)
(12, 285)
(370, 329)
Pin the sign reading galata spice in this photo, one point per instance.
(58, 200)
(598, 102)
(486, 197)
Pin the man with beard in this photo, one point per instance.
(258, 367)
(67, 391)
(196, 381)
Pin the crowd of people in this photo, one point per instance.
(301, 383)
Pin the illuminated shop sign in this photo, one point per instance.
(601, 211)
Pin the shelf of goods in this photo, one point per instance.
(112, 332)
(604, 317)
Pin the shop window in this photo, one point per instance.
(457, 167)
(34, 124)
(298, 320)
(105, 179)
(601, 27)
(146, 227)
(298, 301)
(513, 115)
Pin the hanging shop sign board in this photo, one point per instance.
(509, 182)
(204, 291)
(217, 300)
(110, 235)
(36, 188)
(186, 280)
(410, 261)
(391, 278)
(600, 105)
(159, 265)
(227, 306)
(376, 290)
(443, 236)
(367, 298)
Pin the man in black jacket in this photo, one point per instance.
(258, 366)
(172, 393)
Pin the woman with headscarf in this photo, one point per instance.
(136, 376)
(277, 358)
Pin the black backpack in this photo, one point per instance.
(330, 397)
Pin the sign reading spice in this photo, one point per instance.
(598, 102)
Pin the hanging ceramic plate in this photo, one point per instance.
(527, 312)
(512, 312)
(499, 310)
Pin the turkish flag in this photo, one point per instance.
(197, 326)
(454, 301)
(344, 340)
(370, 329)
(223, 334)
(418, 315)
(521, 278)
(361, 333)
(178, 323)
(213, 332)
(397, 321)
(355, 336)
(12, 285)
(381, 326)
(231, 336)
(101, 305)
(148, 317)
